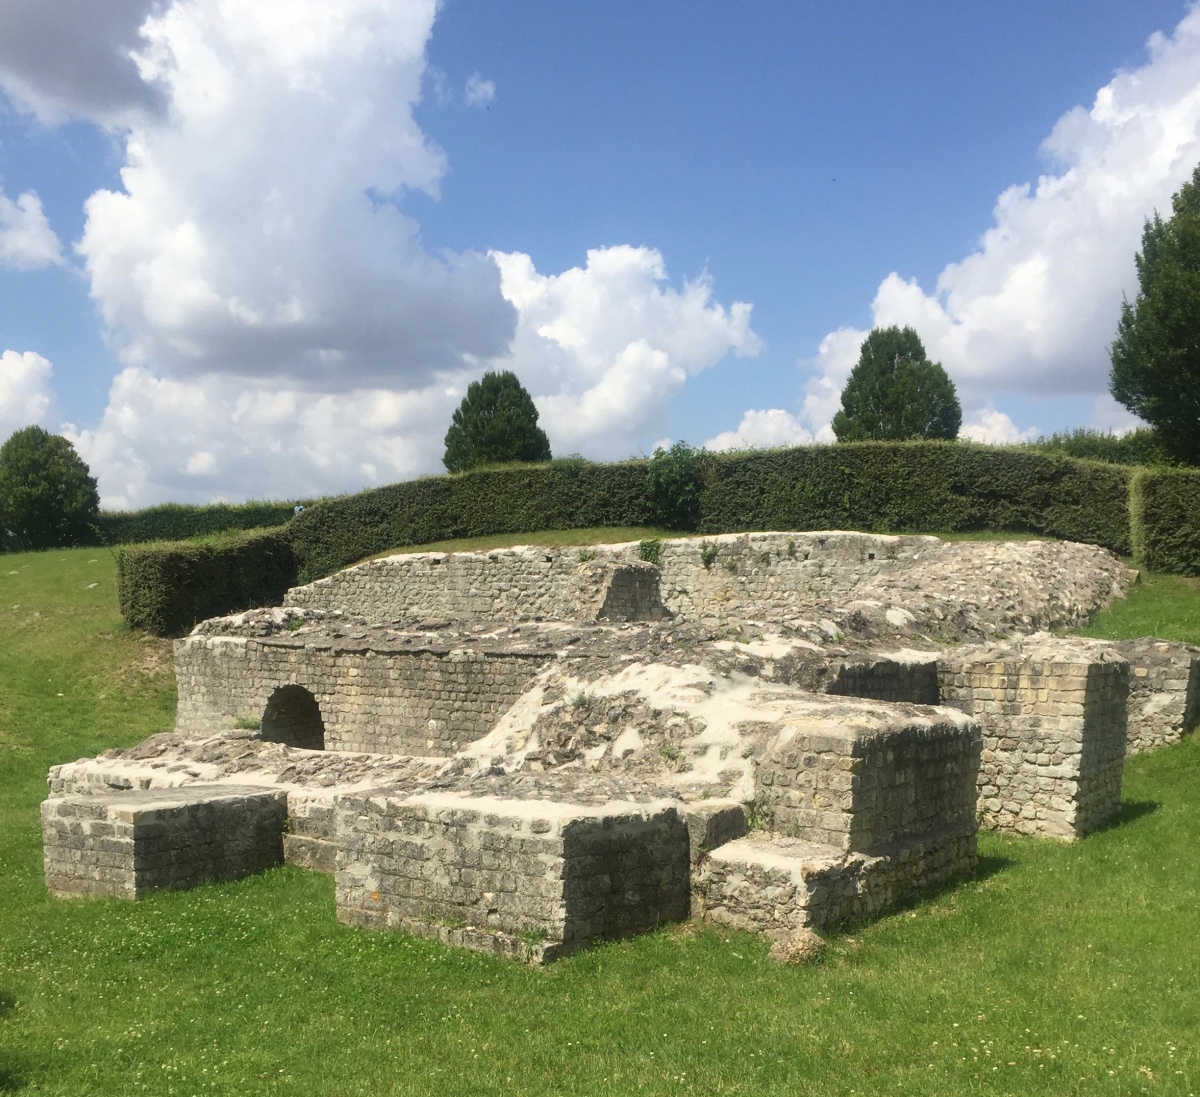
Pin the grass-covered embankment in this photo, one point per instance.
(1060, 970)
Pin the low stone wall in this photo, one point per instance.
(610, 583)
(844, 782)
(503, 874)
(1164, 692)
(883, 582)
(774, 884)
(367, 697)
(911, 677)
(1053, 718)
(128, 844)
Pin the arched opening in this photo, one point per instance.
(293, 717)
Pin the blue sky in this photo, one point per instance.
(325, 230)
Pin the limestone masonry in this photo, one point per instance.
(529, 750)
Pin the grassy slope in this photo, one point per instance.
(1060, 970)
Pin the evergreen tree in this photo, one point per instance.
(495, 423)
(48, 498)
(1156, 355)
(896, 393)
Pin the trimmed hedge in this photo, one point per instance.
(179, 522)
(165, 588)
(1166, 508)
(917, 486)
(516, 499)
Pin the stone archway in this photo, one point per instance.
(293, 717)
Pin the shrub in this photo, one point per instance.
(917, 486)
(48, 497)
(178, 522)
(515, 499)
(1166, 503)
(673, 475)
(165, 588)
(1138, 447)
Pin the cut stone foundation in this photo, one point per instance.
(1164, 692)
(128, 844)
(534, 879)
(1054, 727)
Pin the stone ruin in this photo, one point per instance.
(528, 750)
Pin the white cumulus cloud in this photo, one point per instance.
(26, 239)
(257, 232)
(1033, 309)
(602, 348)
(26, 396)
(762, 430)
(996, 428)
(283, 330)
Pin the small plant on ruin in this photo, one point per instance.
(582, 699)
(671, 752)
(758, 814)
(532, 935)
(295, 623)
(247, 723)
(586, 555)
(708, 554)
(731, 566)
(791, 549)
(765, 558)
(650, 550)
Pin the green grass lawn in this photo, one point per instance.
(1059, 970)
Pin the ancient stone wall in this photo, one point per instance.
(428, 702)
(840, 784)
(503, 585)
(511, 871)
(773, 884)
(128, 844)
(1054, 729)
(1164, 692)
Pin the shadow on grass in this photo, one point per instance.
(1129, 811)
(12, 1076)
(990, 866)
(7, 1003)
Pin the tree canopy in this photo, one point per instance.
(496, 423)
(895, 393)
(1156, 355)
(48, 498)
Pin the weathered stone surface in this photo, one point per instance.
(128, 844)
(868, 583)
(558, 875)
(776, 884)
(1053, 717)
(1164, 691)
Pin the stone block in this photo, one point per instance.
(128, 844)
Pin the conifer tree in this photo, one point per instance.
(896, 393)
(495, 423)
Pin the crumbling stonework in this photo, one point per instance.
(364, 693)
(128, 844)
(1164, 692)
(1054, 728)
(529, 750)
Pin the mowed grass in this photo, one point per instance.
(548, 538)
(1058, 970)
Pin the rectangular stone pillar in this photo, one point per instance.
(128, 844)
(1053, 716)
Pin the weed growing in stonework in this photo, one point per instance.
(247, 723)
(708, 554)
(587, 555)
(650, 550)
